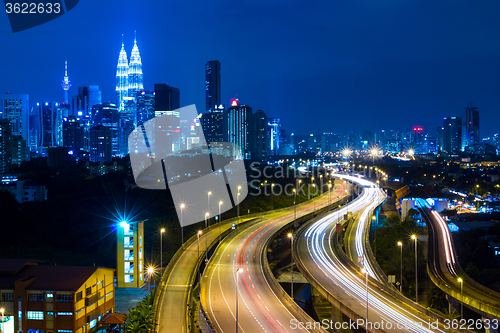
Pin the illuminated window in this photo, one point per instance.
(35, 297)
(50, 295)
(65, 313)
(129, 267)
(7, 296)
(50, 313)
(129, 278)
(64, 298)
(109, 294)
(35, 315)
(92, 323)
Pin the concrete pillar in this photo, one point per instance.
(336, 318)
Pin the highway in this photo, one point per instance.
(444, 269)
(330, 270)
(261, 307)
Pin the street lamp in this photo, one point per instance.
(209, 193)
(220, 203)
(400, 244)
(314, 203)
(364, 271)
(272, 197)
(291, 255)
(238, 271)
(161, 248)
(199, 277)
(294, 204)
(182, 226)
(238, 199)
(329, 193)
(150, 272)
(206, 237)
(414, 237)
(461, 297)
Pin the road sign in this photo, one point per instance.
(339, 227)
(392, 278)
(233, 225)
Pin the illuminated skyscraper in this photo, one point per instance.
(122, 78)
(452, 134)
(66, 83)
(239, 126)
(212, 85)
(14, 107)
(471, 126)
(135, 76)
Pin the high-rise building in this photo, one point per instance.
(15, 108)
(121, 77)
(145, 102)
(239, 125)
(130, 254)
(452, 135)
(129, 76)
(106, 114)
(5, 145)
(66, 83)
(167, 102)
(81, 102)
(212, 124)
(95, 96)
(260, 135)
(212, 85)
(135, 76)
(471, 126)
(72, 134)
(47, 114)
(274, 125)
(100, 144)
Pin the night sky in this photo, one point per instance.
(318, 65)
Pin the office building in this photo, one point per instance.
(471, 126)
(145, 102)
(54, 299)
(452, 135)
(135, 76)
(212, 124)
(72, 134)
(81, 101)
(121, 77)
(212, 85)
(100, 140)
(15, 108)
(5, 146)
(260, 136)
(238, 125)
(167, 103)
(274, 125)
(106, 114)
(95, 96)
(130, 255)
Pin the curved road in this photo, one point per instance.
(260, 309)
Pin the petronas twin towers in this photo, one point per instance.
(129, 77)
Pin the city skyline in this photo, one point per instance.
(427, 74)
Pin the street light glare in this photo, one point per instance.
(150, 270)
(413, 237)
(182, 206)
(123, 224)
(363, 270)
(199, 232)
(289, 235)
(220, 202)
(400, 244)
(162, 230)
(460, 280)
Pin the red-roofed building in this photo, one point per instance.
(55, 299)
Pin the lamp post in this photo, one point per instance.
(150, 272)
(400, 244)
(3, 318)
(461, 297)
(161, 249)
(237, 285)
(220, 203)
(272, 197)
(206, 237)
(238, 199)
(182, 226)
(314, 202)
(209, 193)
(374, 219)
(414, 237)
(329, 193)
(364, 271)
(291, 255)
(294, 204)
(199, 277)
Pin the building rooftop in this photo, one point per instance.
(43, 277)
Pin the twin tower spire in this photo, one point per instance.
(129, 77)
